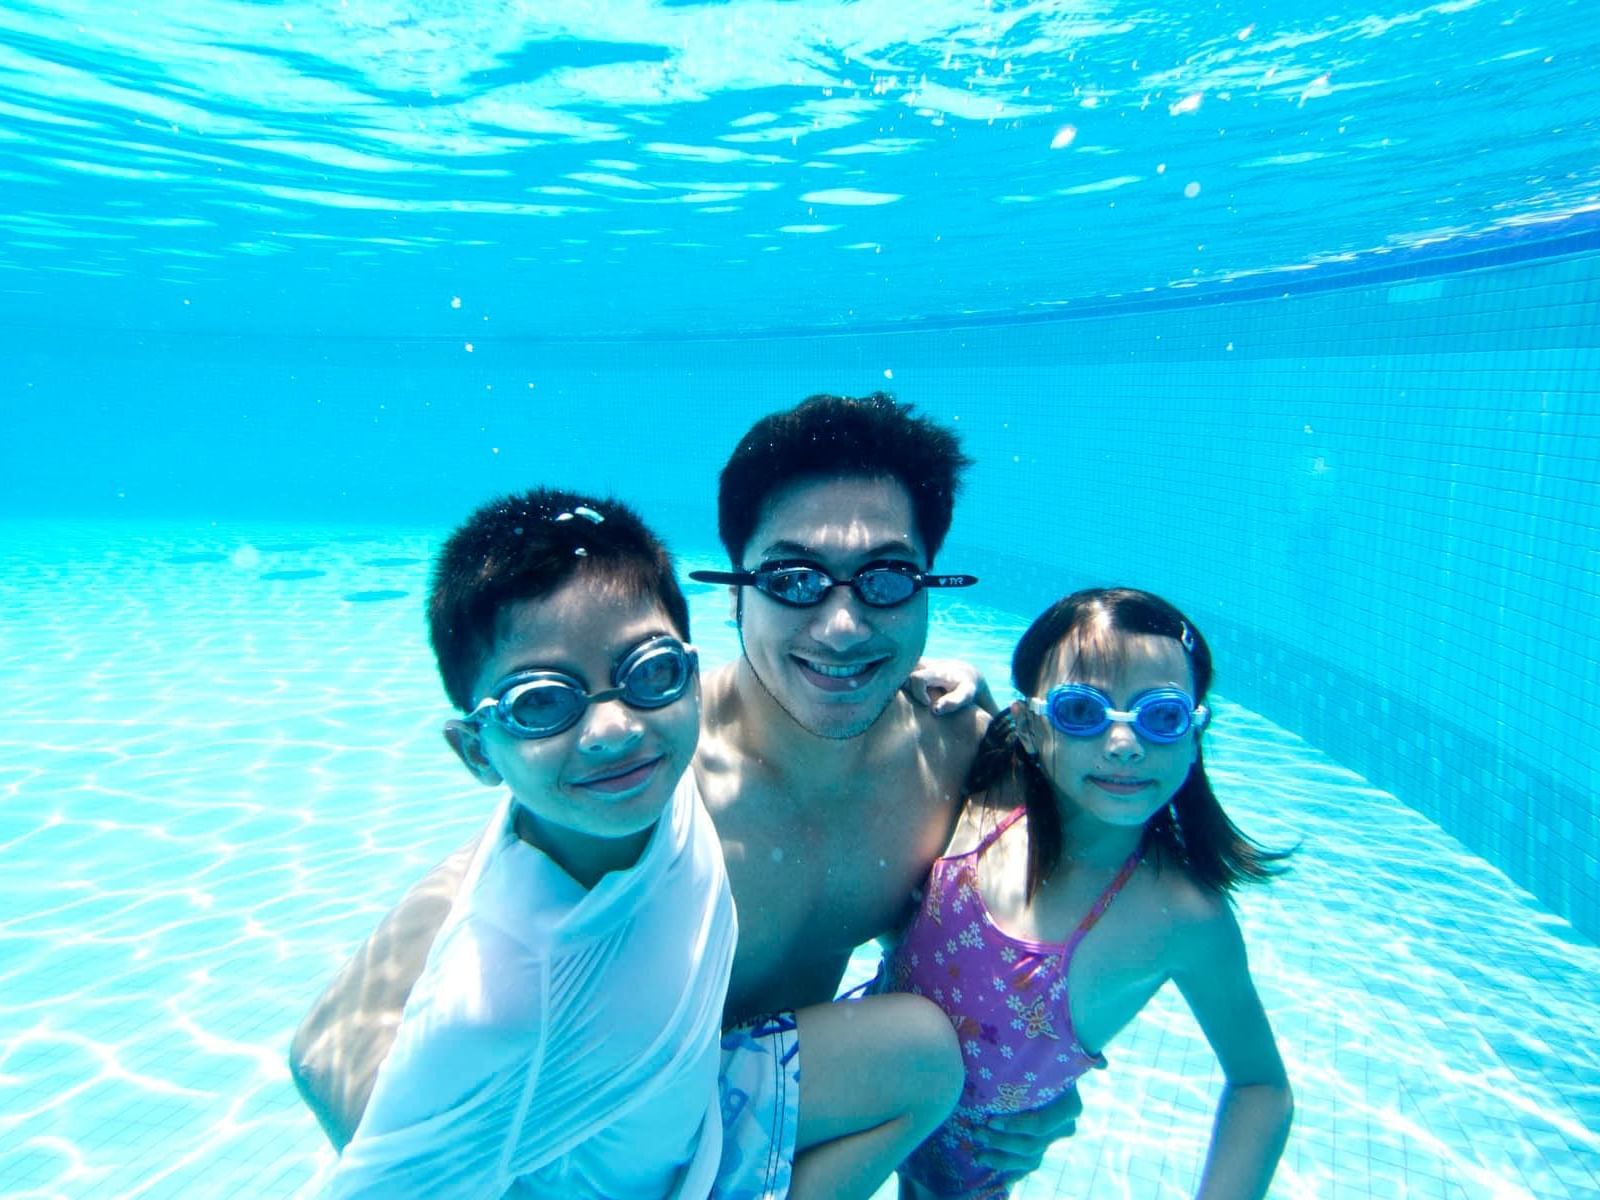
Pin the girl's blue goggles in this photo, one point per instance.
(1161, 715)
(541, 704)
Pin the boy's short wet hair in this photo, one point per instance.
(824, 436)
(526, 547)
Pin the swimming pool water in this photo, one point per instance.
(1291, 314)
(638, 168)
(220, 763)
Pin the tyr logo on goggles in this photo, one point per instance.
(1161, 715)
(541, 704)
(798, 583)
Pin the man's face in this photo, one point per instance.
(835, 667)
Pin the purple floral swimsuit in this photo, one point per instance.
(1007, 997)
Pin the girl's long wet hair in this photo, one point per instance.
(1208, 845)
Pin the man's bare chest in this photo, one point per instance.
(840, 866)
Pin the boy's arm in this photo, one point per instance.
(342, 1041)
(1256, 1108)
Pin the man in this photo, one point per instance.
(831, 790)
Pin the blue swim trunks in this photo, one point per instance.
(760, 1086)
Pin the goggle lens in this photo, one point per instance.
(885, 587)
(656, 678)
(547, 705)
(1164, 718)
(801, 586)
(1076, 713)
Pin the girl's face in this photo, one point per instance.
(1115, 776)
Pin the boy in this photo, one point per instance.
(563, 1037)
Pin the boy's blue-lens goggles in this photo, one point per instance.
(799, 583)
(541, 704)
(1160, 715)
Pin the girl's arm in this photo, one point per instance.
(1252, 1122)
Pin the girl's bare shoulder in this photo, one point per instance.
(1199, 932)
(1191, 906)
(980, 815)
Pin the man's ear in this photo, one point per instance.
(466, 739)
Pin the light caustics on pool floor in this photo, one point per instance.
(220, 763)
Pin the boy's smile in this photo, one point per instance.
(617, 780)
(590, 795)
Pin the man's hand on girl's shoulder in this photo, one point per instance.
(948, 685)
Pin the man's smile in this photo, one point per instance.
(838, 677)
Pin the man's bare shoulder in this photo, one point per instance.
(947, 742)
(718, 760)
(719, 702)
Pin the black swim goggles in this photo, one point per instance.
(1161, 715)
(541, 704)
(800, 583)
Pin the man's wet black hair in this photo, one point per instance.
(526, 547)
(824, 436)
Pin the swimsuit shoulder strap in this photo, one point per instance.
(1006, 822)
(1106, 897)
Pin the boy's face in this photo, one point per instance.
(591, 794)
(835, 667)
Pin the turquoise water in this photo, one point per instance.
(1291, 314)
(222, 764)
(476, 170)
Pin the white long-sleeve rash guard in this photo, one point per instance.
(561, 1042)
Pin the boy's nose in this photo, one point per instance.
(608, 725)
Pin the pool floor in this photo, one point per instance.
(220, 765)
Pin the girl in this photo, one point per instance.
(1090, 791)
